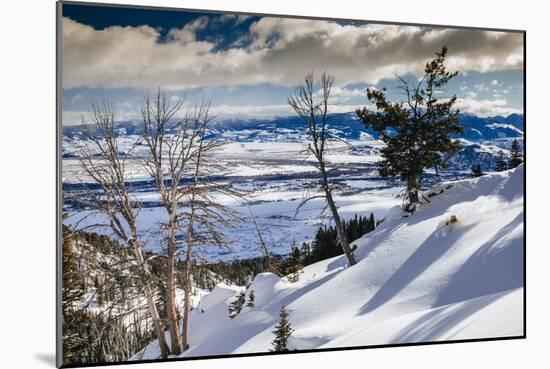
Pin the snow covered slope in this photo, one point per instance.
(417, 279)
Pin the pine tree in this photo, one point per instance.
(251, 299)
(417, 132)
(325, 244)
(237, 305)
(372, 224)
(282, 332)
(500, 164)
(306, 253)
(476, 171)
(516, 156)
(293, 266)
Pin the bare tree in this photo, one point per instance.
(315, 114)
(107, 168)
(206, 217)
(176, 161)
(169, 152)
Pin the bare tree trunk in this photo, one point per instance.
(190, 239)
(187, 302)
(342, 239)
(157, 322)
(205, 215)
(175, 346)
(412, 192)
(188, 257)
(167, 156)
(171, 303)
(171, 308)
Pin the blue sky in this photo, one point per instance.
(248, 66)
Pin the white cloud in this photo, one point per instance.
(471, 94)
(221, 112)
(484, 108)
(341, 94)
(187, 34)
(251, 111)
(481, 87)
(74, 117)
(282, 52)
(238, 19)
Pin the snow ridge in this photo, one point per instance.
(417, 279)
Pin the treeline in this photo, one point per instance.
(105, 317)
(501, 164)
(325, 244)
(239, 272)
(103, 320)
(516, 158)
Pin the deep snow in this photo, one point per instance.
(417, 279)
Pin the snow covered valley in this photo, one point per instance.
(266, 160)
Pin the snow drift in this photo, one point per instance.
(417, 279)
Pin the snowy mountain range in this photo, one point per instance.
(343, 125)
(483, 136)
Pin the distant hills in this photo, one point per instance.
(482, 139)
(345, 126)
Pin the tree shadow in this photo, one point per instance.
(286, 300)
(434, 324)
(488, 270)
(376, 239)
(429, 252)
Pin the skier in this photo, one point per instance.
(452, 220)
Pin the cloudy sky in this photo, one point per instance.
(248, 66)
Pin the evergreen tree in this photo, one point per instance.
(237, 305)
(306, 253)
(500, 164)
(325, 244)
(372, 224)
(251, 299)
(293, 265)
(476, 171)
(282, 332)
(417, 131)
(516, 156)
